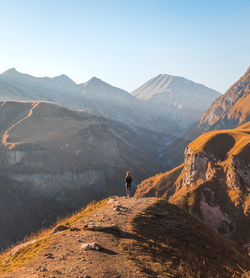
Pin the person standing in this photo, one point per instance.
(128, 183)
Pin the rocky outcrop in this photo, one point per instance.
(198, 166)
(213, 184)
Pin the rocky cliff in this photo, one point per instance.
(213, 183)
(119, 237)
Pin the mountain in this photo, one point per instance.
(114, 103)
(183, 97)
(95, 96)
(96, 89)
(119, 237)
(227, 111)
(213, 183)
(69, 157)
(23, 87)
(231, 109)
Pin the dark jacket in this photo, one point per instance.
(128, 180)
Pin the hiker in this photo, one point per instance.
(128, 180)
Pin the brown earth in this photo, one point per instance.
(139, 237)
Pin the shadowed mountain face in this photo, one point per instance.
(213, 183)
(69, 157)
(119, 237)
(24, 211)
(185, 99)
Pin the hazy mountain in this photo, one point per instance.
(119, 237)
(18, 86)
(95, 96)
(67, 157)
(96, 89)
(213, 183)
(184, 98)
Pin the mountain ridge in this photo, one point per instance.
(119, 237)
(160, 84)
(230, 109)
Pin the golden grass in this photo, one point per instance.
(160, 179)
(22, 256)
(240, 136)
(11, 260)
(90, 207)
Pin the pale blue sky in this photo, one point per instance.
(127, 42)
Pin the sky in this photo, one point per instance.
(127, 42)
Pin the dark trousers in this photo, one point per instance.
(128, 189)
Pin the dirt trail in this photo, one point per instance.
(110, 227)
(6, 133)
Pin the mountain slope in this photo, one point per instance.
(145, 237)
(114, 103)
(231, 109)
(96, 89)
(57, 141)
(213, 184)
(24, 211)
(68, 157)
(175, 91)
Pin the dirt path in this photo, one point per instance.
(6, 133)
(110, 227)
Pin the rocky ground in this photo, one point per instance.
(119, 237)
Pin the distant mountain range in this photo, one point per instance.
(178, 95)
